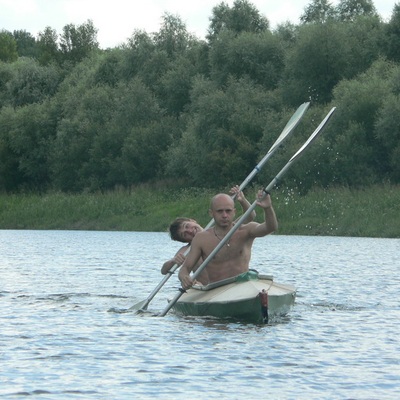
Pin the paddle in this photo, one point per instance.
(287, 130)
(278, 177)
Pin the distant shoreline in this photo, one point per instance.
(364, 212)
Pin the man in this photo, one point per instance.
(234, 257)
(185, 229)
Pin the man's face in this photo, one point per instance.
(223, 211)
(188, 231)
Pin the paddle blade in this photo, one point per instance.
(289, 127)
(139, 307)
(314, 135)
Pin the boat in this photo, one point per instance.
(249, 297)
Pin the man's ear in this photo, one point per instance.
(210, 212)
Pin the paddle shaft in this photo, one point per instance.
(289, 127)
(277, 178)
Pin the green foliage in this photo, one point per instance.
(339, 211)
(26, 44)
(316, 63)
(77, 42)
(392, 35)
(257, 56)
(173, 37)
(241, 17)
(8, 47)
(388, 133)
(175, 85)
(359, 148)
(48, 47)
(109, 69)
(319, 11)
(225, 125)
(350, 10)
(364, 41)
(31, 82)
(166, 106)
(26, 134)
(6, 74)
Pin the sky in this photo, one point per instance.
(116, 20)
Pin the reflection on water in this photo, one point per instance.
(60, 338)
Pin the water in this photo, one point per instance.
(59, 340)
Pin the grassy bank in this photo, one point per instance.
(370, 212)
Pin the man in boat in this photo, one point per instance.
(185, 229)
(234, 257)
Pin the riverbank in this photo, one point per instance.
(367, 212)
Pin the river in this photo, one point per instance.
(60, 338)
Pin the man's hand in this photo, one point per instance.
(179, 259)
(264, 199)
(186, 281)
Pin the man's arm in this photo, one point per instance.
(270, 223)
(190, 263)
(178, 259)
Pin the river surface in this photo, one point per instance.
(61, 336)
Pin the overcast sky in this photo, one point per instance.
(116, 20)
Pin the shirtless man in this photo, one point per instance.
(185, 229)
(234, 257)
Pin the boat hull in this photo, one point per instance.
(238, 298)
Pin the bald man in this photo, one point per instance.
(234, 257)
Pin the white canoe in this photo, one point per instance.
(249, 297)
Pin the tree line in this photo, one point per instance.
(170, 107)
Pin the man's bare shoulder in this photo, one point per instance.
(247, 230)
(201, 236)
(248, 226)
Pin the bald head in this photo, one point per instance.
(221, 201)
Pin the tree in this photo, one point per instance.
(349, 10)
(8, 47)
(145, 60)
(31, 82)
(85, 109)
(10, 176)
(256, 55)
(144, 148)
(139, 48)
(110, 68)
(6, 75)
(76, 42)
(26, 44)
(241, 17)
(362, 158)
(48, 47)
(364, 41)
(173, 37)
(387, 126)
(175, 85)
(26, 140)
(223, 130)
(315, 64)
(286, 34)
(392, 35)
(319, 11)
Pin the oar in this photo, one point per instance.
(277, 178)
(287, 130)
